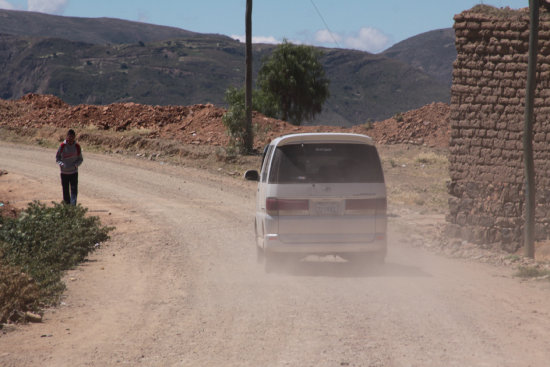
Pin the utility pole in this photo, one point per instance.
(529, 230)
(248, 138)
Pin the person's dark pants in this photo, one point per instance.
(70, 187)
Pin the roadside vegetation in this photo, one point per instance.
(36, 248)
(531, 272)
(416, 176)
(234, 119)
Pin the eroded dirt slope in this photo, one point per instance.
(202, 124)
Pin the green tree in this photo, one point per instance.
(294, 78)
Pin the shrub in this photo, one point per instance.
(431, 158)
(45, 241)
(369, 125)
(531, 272)
(235, 118)
(18, 293)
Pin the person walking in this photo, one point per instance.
(69, 157)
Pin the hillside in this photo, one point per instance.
(170, 72)
(433, 52)
(109, 60)
(90, 30)
(371, 87)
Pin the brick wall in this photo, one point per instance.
(487, 118)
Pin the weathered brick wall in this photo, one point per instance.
(487, 119)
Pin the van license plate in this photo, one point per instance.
(327, 208)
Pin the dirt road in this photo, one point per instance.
(178, 285)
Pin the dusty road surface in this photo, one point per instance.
(178, 285)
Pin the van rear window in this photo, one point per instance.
(326, 162)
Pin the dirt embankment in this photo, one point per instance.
(202, 124)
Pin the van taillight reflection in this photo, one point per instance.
(366, 206)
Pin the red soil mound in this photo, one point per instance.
(202, 124)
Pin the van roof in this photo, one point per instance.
(323, 138)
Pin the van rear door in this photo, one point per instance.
(327, 192)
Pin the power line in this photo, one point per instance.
(326, 25)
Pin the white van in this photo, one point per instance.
(320, 194)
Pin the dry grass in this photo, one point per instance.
(18, 292)
(416, 176)
(505, 12)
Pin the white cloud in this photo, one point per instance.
(258, 39)
(366, 39)
(325, 36)
(47, 6)
(6, 5)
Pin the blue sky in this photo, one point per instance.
(367, 25)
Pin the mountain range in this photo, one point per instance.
(105, 60)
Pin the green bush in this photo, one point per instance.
(45, 241)
(235, 118)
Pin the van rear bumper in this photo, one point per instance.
(272, 243)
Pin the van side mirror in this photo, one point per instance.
(252, 175)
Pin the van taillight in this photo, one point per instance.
(275, 206)
(366, 206)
